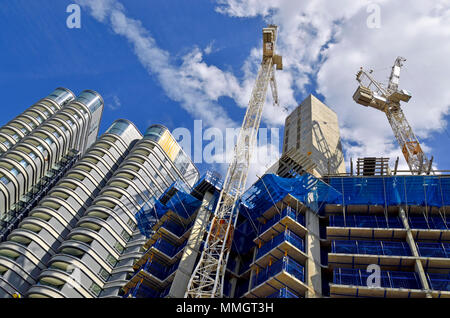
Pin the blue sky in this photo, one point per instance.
(39, 53)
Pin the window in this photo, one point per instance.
(4, 179)
(125, 235)
(49, 141)
(118, 247)
(95, 289)
(103, 274)
(131, 224)
(111, 260)
(7, 143)
(14, 171)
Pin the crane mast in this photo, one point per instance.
(371, 93)
(207, 279)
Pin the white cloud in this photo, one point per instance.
(113, 103)
(329, 41)
(196, 85)
(193, 83)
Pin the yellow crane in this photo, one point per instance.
(207, 279)
(371, 93)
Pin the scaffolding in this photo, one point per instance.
(167, 223)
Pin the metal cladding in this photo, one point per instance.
(78, 238)
(48, 132)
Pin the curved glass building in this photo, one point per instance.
(68, 199)
(31, 248)
(34, 116)
(56, 132)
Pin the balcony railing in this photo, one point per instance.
(298, 217)
(389, 279)
(167, 248)
(365, 221)
(439, 281)
(432, 223)
(285, 264)
(158, 270)
(441, 250)
(142, 291)
(371, 248)
(10, 220)
(176, 229)
(283, 293)
(287, 236)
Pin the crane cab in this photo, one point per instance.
(269, 39)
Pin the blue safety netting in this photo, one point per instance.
(158, 270)
(213, 178)
(146, 218)
(432, 222)
(296, 216)
(142, 291)
(441, 250)
(366, 221)
(371, 248)
(392, 190)
(284, 264)
(286, 236)
(283, 293)
(388, 279)
(181, 203)
(270, 189)
(439, 281)
(243, 237)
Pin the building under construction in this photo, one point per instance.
(126, 215)
(307, 228)
(309, 237)
(299, 235)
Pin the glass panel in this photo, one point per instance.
(61, 96)
(90, 99)
(118, 127)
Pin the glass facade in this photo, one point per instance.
(118, 127)
(155, 132)
(91, 99)
(162, 136)
(61, 96)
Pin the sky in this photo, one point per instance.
(175, 61)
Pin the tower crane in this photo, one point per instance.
(371, 93)
(207, 280)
